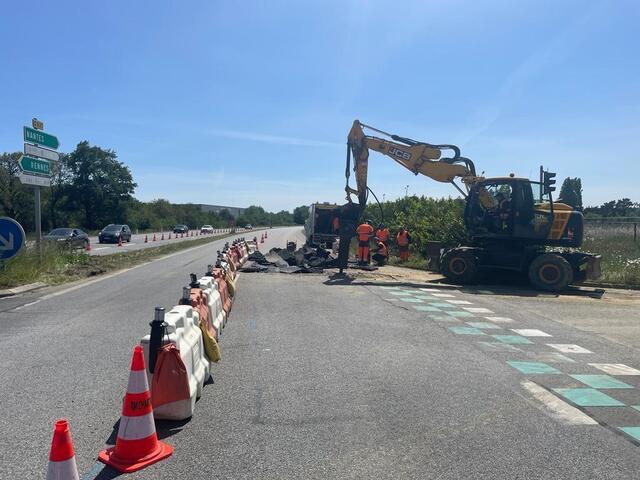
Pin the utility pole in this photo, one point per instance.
(406, 191)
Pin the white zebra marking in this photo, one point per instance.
(459, 302)
(500, 319)
(477, 310)
(443, 295)
(568, 348)
(616, 368)
(530, 332)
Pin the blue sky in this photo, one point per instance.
(250, 102)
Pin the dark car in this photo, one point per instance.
(71, 237)
(180, 229)
(113, 232)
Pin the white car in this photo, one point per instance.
(206, 229)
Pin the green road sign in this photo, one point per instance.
(41, 138)
(34, 165)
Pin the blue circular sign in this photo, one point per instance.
(11, 237)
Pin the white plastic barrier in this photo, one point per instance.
(216, 312)
(251, 247)
(183, 330)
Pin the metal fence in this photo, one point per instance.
(626, 227)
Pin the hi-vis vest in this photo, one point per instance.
(402, 239)
(364, 232)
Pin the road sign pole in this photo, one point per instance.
(36, 191)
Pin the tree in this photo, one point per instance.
(300, 214)
(101, 186)
(16, 200)
(571, 192)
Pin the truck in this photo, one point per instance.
(318, 228)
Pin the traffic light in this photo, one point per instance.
(548, 181)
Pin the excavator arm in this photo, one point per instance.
(417, 157)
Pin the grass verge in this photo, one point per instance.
(60, 265)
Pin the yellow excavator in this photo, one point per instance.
(510, 227)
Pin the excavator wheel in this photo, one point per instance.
(550, 272)
(460, 266)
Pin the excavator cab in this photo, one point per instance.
(507, 208)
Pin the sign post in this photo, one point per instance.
(39, 150)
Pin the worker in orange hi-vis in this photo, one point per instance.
(382, 234)
(381, 253)
(403, 239)
(365, 232)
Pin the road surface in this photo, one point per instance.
(137, 241)
(331, 379)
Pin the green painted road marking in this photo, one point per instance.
(632, 432)
(533, 367)
(513, 339)
(588, 397)
(500, 346)
(425, 297)
(601, 381)
(482, 325)
(390, 288)
(460, 314)
(399, 293)
(637, 407)
(443, 318)
(426, 308)
(441, 305)
(466, 331)
(411, 300)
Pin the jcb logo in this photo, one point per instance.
(399, 153)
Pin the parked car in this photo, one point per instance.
(113, 232)
(206, 229)
(72, 237)
(248, 226)
(180, 229)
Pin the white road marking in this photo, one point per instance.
(500, 319)
(459, 302)
(430, 289)
(25, 305)
(443, 295)
(530, 332)
(557, 408)
(616, 368)
(477, 310)
(569, 348)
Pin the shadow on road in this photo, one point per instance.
(490, 283)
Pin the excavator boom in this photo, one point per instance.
(417, 157)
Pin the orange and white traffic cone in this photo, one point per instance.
(162, 237)
(119, 241)
(145, 239)
(192, 234)
(265, 234)
(154, 237)
(88, 247)
(62, 459)
(137, 444)
(261, 238)
(169, 235)
(182, 235)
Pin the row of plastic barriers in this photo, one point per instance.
(169, 369)
(183, 344)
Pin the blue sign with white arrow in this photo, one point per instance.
(11, 237)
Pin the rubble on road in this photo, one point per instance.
(288, 260)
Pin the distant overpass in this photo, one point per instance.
(234, 211)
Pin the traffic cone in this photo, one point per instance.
(265, 234)
(145, 239)
(169, 235)
(182, 235)
(154, 237)
(119, 241)
(192, 233)
(261, 238)
(162, 237)
(62, 460)
(137, 444)
(88, 247)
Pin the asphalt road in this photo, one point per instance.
(137, 241)
(323, 378)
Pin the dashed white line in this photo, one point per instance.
(557, 408)
(459, 302)
(500, 319)
(569, 348)
(477, 310)
(616, 368)
(530, 332)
